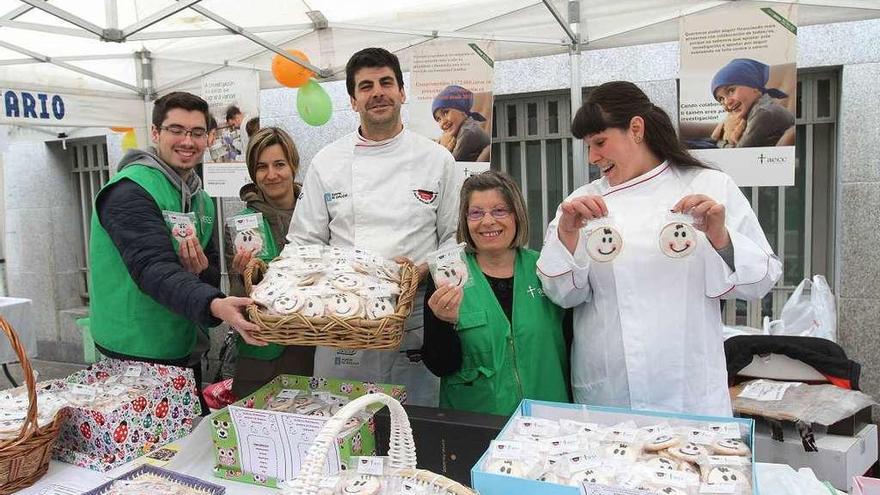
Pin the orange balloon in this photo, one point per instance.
(289, 73)
(121, 129)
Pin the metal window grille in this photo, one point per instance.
(90, 172)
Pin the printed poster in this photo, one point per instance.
(233, 97)
(450, 99)
(738, 87)
(276, 445)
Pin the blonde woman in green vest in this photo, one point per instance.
(272, 162)
(501, 339)
(152, 295)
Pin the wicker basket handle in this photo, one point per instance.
(255, 268)
(30, 423)
(402, 449)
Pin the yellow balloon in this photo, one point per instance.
(129, 141)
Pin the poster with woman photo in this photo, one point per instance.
(450, 100)
(737, 91)
(233, 98)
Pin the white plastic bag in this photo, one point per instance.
(809, 312)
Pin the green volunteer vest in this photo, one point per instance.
(270, 351)
(124, 319)
(503, 364)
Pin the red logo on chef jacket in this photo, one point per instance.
(425, 196)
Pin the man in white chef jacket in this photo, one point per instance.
(384, 189)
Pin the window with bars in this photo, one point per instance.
(90, 172)
(799, 220)
(531, 141)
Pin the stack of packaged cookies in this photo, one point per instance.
(106, 393)
(662, 458)
(313, 403)
(318, 281)
(14, 407)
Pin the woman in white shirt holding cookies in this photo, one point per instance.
(644, 255)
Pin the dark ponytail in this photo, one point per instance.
(615, 103)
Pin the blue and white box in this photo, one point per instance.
(487, 483)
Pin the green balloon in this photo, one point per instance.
(313, 104)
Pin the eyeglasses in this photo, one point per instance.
(181, 131)
(475, 214)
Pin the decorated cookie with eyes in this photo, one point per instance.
(249, 241)
(289, 303)
(268, 291)
(182, 231)
(730, 446)
(549, 477)
(307, 267)
(725, 475)
(689, 452)
(379, 308)
(678, 240)
(661, 442)
(620, 450)
(604, 244)
(313, 307)
(662, 464)
(345, 305)
(506, 466)
(454, 274)
(362, 485)
(346, 282)
(588, 476)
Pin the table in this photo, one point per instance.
(196, 458)
(17, 311)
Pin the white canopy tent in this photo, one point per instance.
(126, 52)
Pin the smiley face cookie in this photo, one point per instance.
(662, 464)
(454, 274)
(689, 452)
(379, 308)
(362, 485)
(725, 475)
(604, 244)
(182, 231)
(346, 282)
(678, 240)
(345, 305)
(661, 442)
(621, 450)
(289, 303)
(730, 446)
(313, 307)
(249, 241)
(588, 476)
(506, 466)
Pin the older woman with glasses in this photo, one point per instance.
(500, 340)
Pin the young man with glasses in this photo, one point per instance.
(154, 285)
(387, 190)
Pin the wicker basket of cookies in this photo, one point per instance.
(331, 296)
(26, 433)
(398, 473)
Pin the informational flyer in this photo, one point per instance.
(233, 97)
(738, 87)
(450, 100)
(276, 445)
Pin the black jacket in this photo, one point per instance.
(134, 222)
(827, 357)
